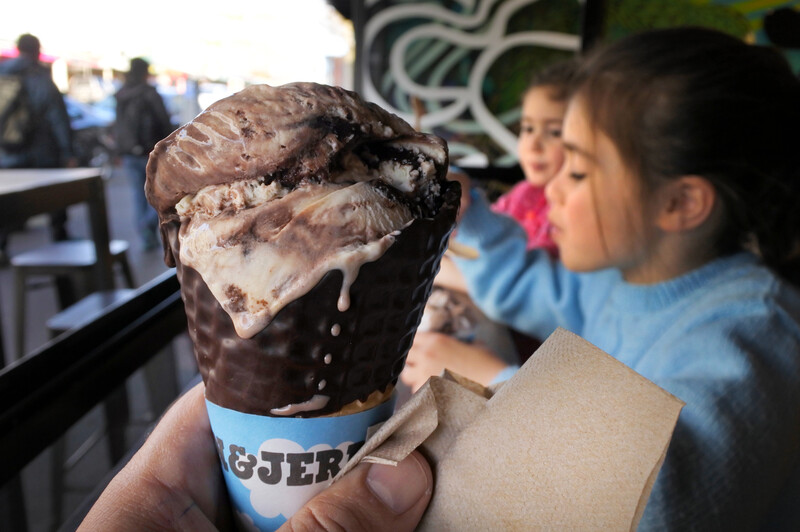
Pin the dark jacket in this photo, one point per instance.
(142, 119)
(51, 140)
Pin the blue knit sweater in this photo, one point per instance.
(724, 338)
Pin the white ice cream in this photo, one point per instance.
(259, 247)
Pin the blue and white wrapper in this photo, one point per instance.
(273, 466)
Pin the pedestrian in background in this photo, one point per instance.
(142, 120)
(35, 124)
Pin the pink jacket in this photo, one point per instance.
(528, 206)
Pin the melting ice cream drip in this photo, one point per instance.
(255, 255)
(315, 403)
(253, 242)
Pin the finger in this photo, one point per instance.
(183, 439)
(433, 340)
(424, 336)
(184, 433)
(414, 379)
(408, 377)
(371, 497)
(173, 482)
(422, 344)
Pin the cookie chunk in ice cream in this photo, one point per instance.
(271, 197)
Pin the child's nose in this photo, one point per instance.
(552, 190)
(537, 141)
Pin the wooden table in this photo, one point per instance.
(27, 192)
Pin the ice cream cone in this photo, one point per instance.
(299, 364)
(311, 349)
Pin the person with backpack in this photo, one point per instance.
(35, 130)
(142, 120)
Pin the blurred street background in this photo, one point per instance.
(198, 54)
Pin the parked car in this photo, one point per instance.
(91, 126)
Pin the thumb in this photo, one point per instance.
(371, 497)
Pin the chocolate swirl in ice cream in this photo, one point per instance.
(268, 201)
(287, 133)
(275, 187)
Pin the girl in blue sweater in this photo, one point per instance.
(677, 218)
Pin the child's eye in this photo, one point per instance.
(547, 134)
(577, 176)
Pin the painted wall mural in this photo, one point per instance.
(773, 23)
(743, 18)
(458, 67)
(462, 65)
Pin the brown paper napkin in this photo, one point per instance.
(573, 441)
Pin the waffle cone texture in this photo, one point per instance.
(310, 348)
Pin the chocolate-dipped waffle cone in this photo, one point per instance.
(306, 225)
(312, 353)
(277, 205)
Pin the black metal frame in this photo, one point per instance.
(592, 22)
(49, 390)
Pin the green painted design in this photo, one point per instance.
(630, 16)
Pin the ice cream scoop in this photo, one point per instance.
(306, 225)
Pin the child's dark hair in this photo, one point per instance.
(692, 101)
(558, 77)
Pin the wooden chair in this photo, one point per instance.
(72, 259)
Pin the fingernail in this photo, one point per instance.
(401, 486)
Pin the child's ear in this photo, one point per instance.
(686, 203)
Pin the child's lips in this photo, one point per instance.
(553, 228)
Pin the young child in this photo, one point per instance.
(540, 155)
(540, 152)
(677, 218)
